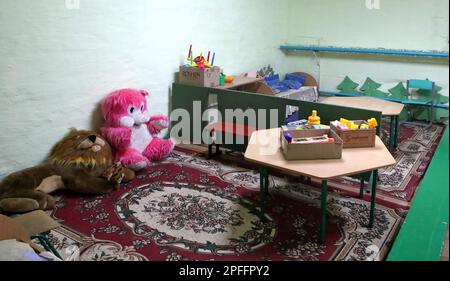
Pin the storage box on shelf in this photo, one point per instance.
(194, 76)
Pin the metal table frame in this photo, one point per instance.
(264, 191)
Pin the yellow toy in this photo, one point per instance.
(372, 123)
(354, 126)
(229, 79)
(364, 127)
(345, 122)
(314, 119)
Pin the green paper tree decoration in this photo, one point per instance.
(426, 94)
(399, 92)
(442, 99)
(370, 88)
(348, 86)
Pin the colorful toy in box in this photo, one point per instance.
(298, 123)
(311, 140)
(314, 119)
(288, 137)
(372, 123)
(200, 61)
(302, 127)
(345, 125)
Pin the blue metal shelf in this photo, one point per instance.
(365, 51)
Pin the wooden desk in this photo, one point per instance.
(354, 161)
(387, 108)
(239, 81)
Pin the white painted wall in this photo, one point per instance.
(56, 63)
(398, 24)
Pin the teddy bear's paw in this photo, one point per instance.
(161, 124)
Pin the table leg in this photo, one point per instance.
(373, 198)
(266, 182)
(210, 153)
(391, 133)
(218, 151)
(323, 212)
(397, 125)
(263, 187)
(361, 188)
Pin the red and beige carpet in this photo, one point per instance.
(191, 208)
(399, 183)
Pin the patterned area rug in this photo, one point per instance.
(415, 150)
(191, 208)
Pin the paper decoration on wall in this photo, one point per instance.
(442, 99)
(266, 71)
(348, 86)
(399, 91)
(370, 88)
(370, 85)
(426, 94)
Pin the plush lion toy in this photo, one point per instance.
(81, 162)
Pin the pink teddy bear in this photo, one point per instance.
(131, 131)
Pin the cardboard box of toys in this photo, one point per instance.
(356, 134)
(313, 144)
(200, 71)
(194, 76)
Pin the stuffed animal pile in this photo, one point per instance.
(88, 163)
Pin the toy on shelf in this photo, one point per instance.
(199, 71)
(222, 79)
(200, 60)
(314, 119)
(229, 79)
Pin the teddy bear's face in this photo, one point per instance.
(126, 108)
(135, 115)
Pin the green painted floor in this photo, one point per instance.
(423, 232)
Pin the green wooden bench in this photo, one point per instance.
(422, 235)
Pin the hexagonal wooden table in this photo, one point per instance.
(264, 149)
